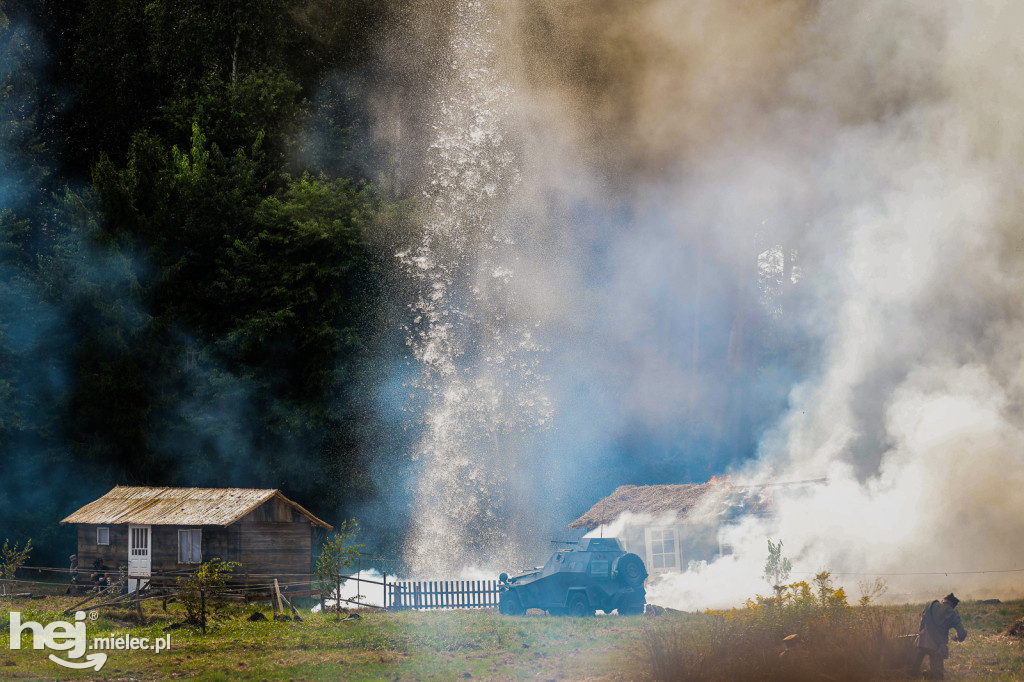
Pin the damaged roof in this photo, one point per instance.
(181, 506)
(717, 498)
(650, 499)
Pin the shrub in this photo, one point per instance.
(337, 554)
(777, 567)
(11, 559)
(200, 592)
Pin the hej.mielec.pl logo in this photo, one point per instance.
(71, 637)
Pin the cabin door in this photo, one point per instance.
(139, 556)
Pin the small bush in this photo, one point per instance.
(11, 559)
(199, 593)
(337, 554)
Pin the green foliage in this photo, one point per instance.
(251, 295)
(196, 40)
(777, 567)
(336, 554)
(233, 67)
(199, 592)
(263, 105)
(11, 559)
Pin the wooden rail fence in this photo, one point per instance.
(443, 594)
(437, 594)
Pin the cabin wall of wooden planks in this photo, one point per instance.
(275, 549)
(113, 555)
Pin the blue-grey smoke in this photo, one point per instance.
(33, 331)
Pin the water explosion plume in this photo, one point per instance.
(791, 220)
(478, 364)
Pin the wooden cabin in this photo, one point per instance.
(164, 533)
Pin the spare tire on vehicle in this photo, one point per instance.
(629, 569)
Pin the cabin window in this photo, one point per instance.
(661, 545)
(190, 546)
(102, 535)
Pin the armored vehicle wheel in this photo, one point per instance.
(509, 604)
(579, 605)
(629, 569)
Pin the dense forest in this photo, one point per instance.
(193, 253)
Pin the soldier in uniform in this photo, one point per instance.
(933, 636)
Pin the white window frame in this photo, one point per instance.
(99, 535)
(194, 543)
(655, 538)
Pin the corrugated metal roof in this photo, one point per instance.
(180, 506)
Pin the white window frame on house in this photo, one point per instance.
(661, 557)
(190, 546)
(102, 535)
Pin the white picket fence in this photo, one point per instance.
(444, 594)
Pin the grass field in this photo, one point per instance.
(434, 645)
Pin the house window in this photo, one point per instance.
(662, 549)
(190, 546)
(103, 535)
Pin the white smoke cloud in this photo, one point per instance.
(880, 142)
(889, 150)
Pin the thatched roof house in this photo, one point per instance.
(162, 533)
(674, 524)
(655, 500)
(181, 506)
